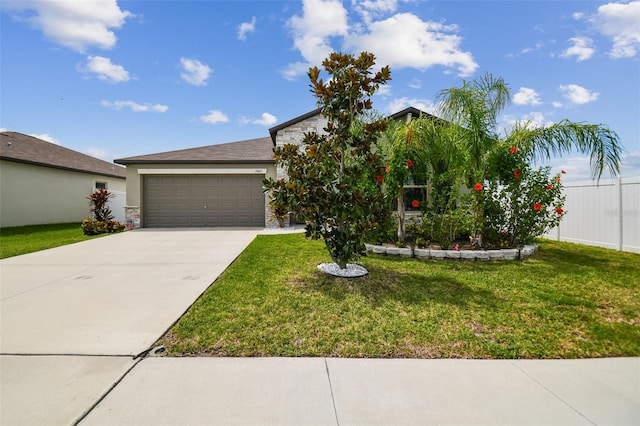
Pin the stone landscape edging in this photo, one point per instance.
(472, 255)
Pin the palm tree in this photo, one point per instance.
(473, 110)
(417, 148)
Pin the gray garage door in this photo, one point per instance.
(203, 200)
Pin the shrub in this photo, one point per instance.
(95, 227)
(520, 203)
(102, 221)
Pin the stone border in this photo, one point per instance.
(472, 255)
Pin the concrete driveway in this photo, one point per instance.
(72, 317)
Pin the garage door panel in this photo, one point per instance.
(230, 200)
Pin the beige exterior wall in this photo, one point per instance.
(134, 179)
(35, 195)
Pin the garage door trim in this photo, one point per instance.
(234, 171)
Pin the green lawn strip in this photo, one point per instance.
(28, 239)
(568, 301)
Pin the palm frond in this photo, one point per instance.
(596, 140)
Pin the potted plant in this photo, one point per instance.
(279, 202)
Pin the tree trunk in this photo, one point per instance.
(401, 230)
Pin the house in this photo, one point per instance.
(216, 185)
(41, 182)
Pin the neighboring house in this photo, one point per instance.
(41, 182)
(216, 185)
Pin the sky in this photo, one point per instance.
(115, 79)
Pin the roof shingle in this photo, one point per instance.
(27, 149)
(248, 151)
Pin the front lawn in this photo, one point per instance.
(27, 239)
(568, 301)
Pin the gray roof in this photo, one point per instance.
(26, 149)
(245, 152)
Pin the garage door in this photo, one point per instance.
(203, 200)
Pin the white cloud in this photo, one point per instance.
(320, 20)
(556, 104)
(214, 117)
(195, 72)
(134, 106)
(105, 69)
(400, 41)
(424, 105)
(630, 164)
(415, 84)
(76, 25)
(582, 49)
(621, 23)
(370, 9)
(245, 28)
(384, 90)
(406, 41)
(539, 45)
(533, 119)
(47, 137)
(266, 119)
(526, 96)
(98, 153)
(577, 94)
(578, 168)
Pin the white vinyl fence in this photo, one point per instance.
(605, 214)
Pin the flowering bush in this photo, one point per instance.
(519, 207)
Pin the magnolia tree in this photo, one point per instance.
(334, 179)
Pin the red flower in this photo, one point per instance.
(549, 187)
(409, 163)
(564, 173)
(517, 173)
(513, 149)
(477, 187)
(380, 178)
(387, 169)
(559, 210)
(537, 206)
(415, 204)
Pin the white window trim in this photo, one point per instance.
(230, 171)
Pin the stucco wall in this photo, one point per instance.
(35, 195)
(134, 179)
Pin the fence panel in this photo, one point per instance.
(605, 214)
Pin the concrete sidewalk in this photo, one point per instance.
(319, 391)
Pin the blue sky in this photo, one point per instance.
(120, 78)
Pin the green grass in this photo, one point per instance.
(568, 301)
(28, 239)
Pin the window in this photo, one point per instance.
(101, 185)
